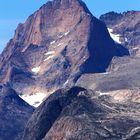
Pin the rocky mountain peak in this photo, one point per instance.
(53, 18)
(55, 45)
(40, 24)
(128, 33)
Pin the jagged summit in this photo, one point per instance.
(128, 33)
(48, 16)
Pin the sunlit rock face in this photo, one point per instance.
(55, 46)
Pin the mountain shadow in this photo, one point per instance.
(101, 49)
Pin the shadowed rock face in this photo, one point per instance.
(55, 45)
(81, 114)
(127, 25)
(101, 49)
(14, 113)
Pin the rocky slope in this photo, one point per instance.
(58, 43)
(127, 27)
(79, 114)
(14, 114)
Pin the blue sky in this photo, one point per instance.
(13, 12)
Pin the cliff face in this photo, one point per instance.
(55, 46)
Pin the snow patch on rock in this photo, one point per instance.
(50, 53)
(49, 57)
(60, 44)
(52, 42)
(36, 69)
(67, 33)
(60, 36)
(126, 40)
(105, 73)
(115, 37)
(34, 99)
(136, 48)
(102, 93)
(66, 82)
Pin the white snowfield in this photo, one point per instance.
(34, 99)
(115, 37)
(36, 69)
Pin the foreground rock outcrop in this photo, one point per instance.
(81, 114)
(14, 114)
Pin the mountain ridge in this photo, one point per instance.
(129, 33)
